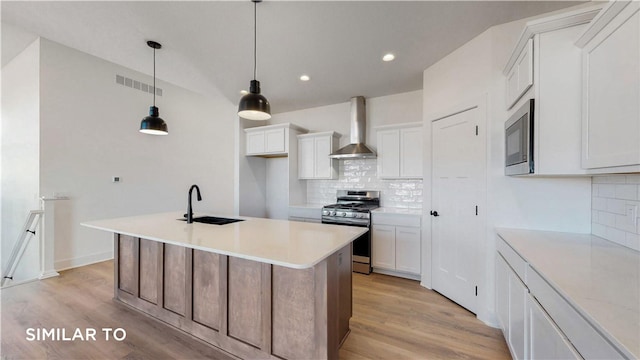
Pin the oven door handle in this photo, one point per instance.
(344, 223)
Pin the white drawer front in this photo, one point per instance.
(582, 335)
(515, 261)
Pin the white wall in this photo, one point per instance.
(252, 172)
(20, 155)
(89, 133)
(472, 71)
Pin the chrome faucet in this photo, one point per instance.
(189, 209)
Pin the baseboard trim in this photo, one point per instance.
(397, 274)
(83, 261)
(48, 274)
(21, 282)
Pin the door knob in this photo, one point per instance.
(435, 213)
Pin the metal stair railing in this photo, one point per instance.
(28, 232)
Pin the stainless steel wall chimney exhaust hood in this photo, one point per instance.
(357, 148)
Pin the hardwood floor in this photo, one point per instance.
(396, 318)
(392, 319)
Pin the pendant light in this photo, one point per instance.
(254, 106)
(153, 124)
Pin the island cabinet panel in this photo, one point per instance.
(293, 306)
(149, 270)
(245, 310)
(174, 278)
(206, 289)
(345, 306)
(251, 309)
(128, 264)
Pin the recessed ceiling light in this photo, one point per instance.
(388, 57)
(305, 78)
(243, 92)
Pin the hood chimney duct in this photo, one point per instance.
(357, 148)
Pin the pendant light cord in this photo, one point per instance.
(255, 39)
(154, 77)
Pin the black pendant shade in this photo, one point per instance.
(153, 124)
(254, 106)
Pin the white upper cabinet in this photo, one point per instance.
(270, 140)
(545, 66)
(313, 155)
(520, 77)
(400, 151)
(611, 90)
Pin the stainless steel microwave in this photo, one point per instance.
(519, 141)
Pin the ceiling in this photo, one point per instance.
(207, 45)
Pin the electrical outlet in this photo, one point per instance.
(116, 179)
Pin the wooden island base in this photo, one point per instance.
(247, 308)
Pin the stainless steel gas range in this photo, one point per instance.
(354, 209)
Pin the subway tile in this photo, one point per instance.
(594, 190)
(599, 203)
(633, 241)
(623, 224)
(616, 179)
(599, 180)
(607, 219)
(607, 191)
(594, 216)
(626, 192)
(616, 235)
(409, 186)
(633, 179)
(616, 206)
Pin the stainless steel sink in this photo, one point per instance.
(213, 220)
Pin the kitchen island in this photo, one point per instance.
(258, 288)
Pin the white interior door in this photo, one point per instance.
(457, 187)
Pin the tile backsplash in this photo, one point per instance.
(613, 197)
(361, 174)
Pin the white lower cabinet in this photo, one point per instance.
(502, 294)
(537, 322)
(408, 249)
(546, 341)
(511, 299)
(305, 213)
(383, 245)
(395, 245)
(518, 293)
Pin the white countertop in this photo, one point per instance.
(307, 206)
(401, 211)
(292, 244)
(599, 278)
